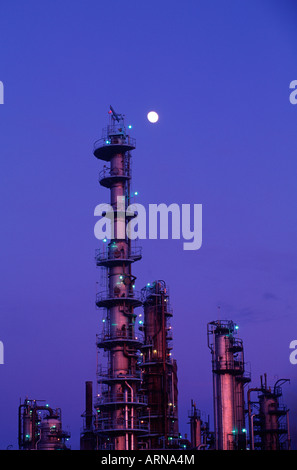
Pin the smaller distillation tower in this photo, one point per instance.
(229, 379)
(159, 369)
(40, 427)
(268, 418)
(117, 423)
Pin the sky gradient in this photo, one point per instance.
(218, 74)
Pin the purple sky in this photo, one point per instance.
(218, 74)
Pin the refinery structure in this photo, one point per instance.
(134, 404)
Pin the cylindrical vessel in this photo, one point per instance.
(40, 427)
(228, 385)
(195, 427)
(27, 426)
(225, 391)
(270, 426)
(117, 423)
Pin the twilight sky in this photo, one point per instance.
(218, 74)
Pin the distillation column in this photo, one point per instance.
(195, 426)
(228, 383)
(159, 369)
(40, 427)
(117, 423)
(268, 419)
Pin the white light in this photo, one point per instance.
(152, 116)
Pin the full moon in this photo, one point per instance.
(152, 116)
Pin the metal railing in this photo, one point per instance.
(260, 428)
(115, 140)
(118, 334)
(155, 360)
(228, 366)
(115, 254)
(121, 424)
(106, 296)
(121, 398)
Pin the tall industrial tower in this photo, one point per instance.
(229, 379)
(201, 437)
(40, 427)
(159, 368)
(117, 423)
(268, 418)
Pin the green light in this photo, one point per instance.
(130, 126)
(243, 430)
(136, 193)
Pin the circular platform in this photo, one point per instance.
(104, 150)
(104, 299)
